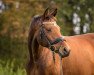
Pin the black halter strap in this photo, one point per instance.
(63, 53)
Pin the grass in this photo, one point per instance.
(9, 68)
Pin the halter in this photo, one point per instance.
(51, 44)
(54, 23)
(62, 54)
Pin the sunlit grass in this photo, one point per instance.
(9, 69)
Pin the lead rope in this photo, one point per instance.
(53, 56)
(61, 69)
(60, 56)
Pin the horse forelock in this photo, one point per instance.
(37, 19)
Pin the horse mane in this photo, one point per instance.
(32, 30)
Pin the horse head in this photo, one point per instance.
(44, 32)
(48, 33)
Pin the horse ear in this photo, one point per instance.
(46, 13)
(54, 12)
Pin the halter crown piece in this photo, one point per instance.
(54, 23)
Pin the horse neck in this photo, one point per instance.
(30, 39)
(36, 49)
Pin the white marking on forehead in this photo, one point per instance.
(54, 23)
(36, 16)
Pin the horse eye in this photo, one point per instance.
(49, 30)
(47, 18)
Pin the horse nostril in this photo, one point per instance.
(65, 49)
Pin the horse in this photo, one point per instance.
(44, 35)
(43, 39)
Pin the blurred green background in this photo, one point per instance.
(74, 17)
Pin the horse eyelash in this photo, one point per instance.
(49, 30)
(47, 18)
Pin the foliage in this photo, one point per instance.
(8, 68)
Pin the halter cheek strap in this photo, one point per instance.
(43, 36)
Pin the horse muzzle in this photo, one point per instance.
(63, 49)
(64, 52)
